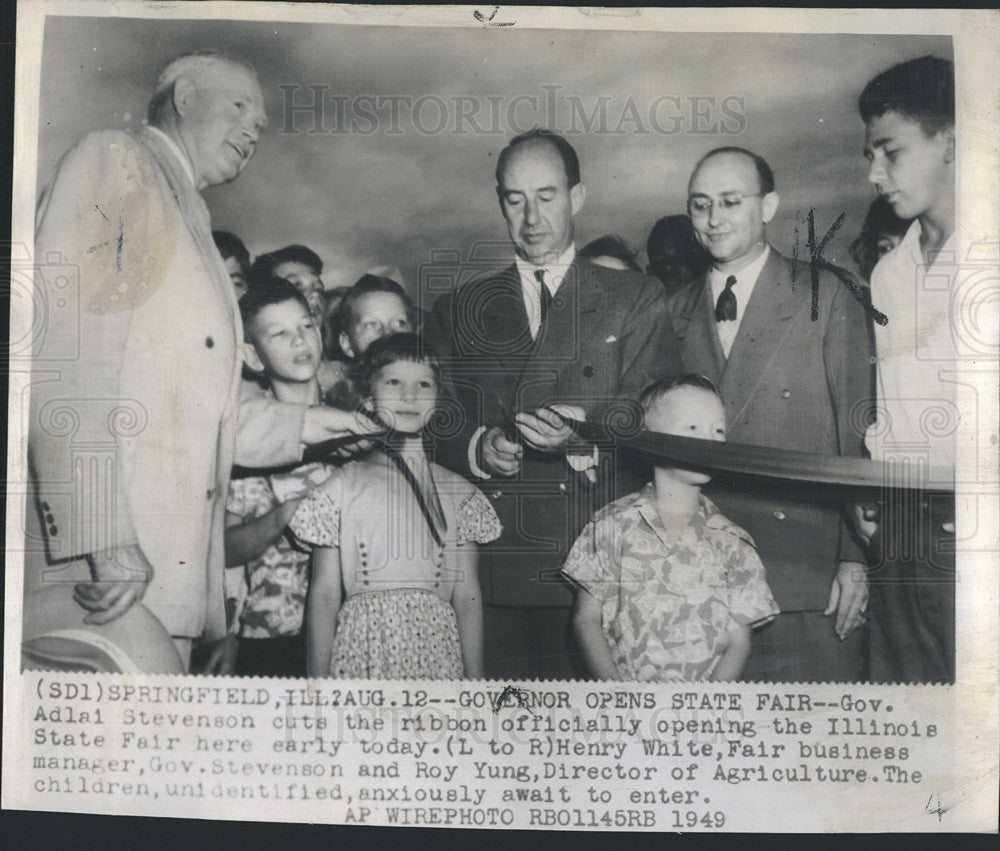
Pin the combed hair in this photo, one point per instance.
(764, 174)
(611, 245)
(230, 245)
(188, 64)
(404, 346)
(570, 161)
(658, 389)
(921, 89)
(265, 293)
(264, 264)
(363, 286)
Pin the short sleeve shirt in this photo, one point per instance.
(668, 603)
(277, 581)
(368, 510)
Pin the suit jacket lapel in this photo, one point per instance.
(702, 351)
(506, 333)
(577, 294)
(196, 216)
(762, 331)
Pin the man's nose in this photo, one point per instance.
(714, 213)
(876, 173)
(408, 392)
(530, 212)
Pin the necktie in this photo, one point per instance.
(725, 307)
(545, 299)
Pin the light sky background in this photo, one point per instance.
(361, 200)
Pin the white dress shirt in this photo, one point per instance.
(531, 289)
(746, 280)
(177, 152)
(917, 415)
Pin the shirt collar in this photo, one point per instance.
(708, 516)
(748, 274)
(175, 149)
(909, 246)
(527, 269)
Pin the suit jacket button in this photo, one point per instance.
(53, 530)
(786, 394)
(562, 487)
(779, 515)
(496, 494)
(588, 371)
(209, 493)
(209, 342)
(50, 519)
(45, 506)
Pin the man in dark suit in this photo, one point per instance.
(553, 329)
(792, 377)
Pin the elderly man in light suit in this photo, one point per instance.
(132, 440)
(793, 367)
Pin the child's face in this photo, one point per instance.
(404, 394)
(688, 412)
(376, 315)
(305, 280)
(286, 338)
(912, 170)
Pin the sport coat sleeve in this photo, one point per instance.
(453, 449)
(268, 432)
(848, 357)
(94, 224)
(650, 349)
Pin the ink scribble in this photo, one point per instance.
(511, 691)
(817, 262)
(489, 21)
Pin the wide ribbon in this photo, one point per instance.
(768, 462)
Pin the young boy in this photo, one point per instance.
(269, 578)
(374, 307)
(909, 115)
(668, 588)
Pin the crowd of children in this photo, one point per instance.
(366, 566)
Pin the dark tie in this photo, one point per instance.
(546, 299)
(725, 307)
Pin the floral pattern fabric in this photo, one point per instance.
(667, 604)
(404, 634)
(269, 596)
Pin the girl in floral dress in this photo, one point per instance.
(395, 589)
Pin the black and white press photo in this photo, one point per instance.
(500, 363)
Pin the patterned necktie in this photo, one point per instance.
(725, 307)
(545, 299)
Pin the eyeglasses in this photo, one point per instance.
(700, 206)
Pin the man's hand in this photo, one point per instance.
(544, 429)
(221, 661)
(120, 580)
(865, 519)
(848, 598)
(324, 423)
(499, 454)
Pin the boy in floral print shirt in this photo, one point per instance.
(668, 588)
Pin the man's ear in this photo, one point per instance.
(251, 358)
(345, 345)
(769, 206)
(577, 195)
(183, 95)
(949, 144)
